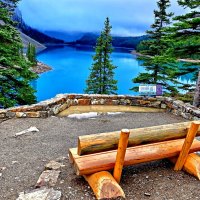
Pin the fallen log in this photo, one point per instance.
(192, 164)
(93, 163)
(104, 185)
(95, 143)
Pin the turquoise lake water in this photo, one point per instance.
(71, 69)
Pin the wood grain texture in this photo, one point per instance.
(95, 143)
(186, 146)
(104, 185)
(191, 165)
(121, 151)
(72, 153)
(92, 163)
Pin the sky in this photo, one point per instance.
(128, 17)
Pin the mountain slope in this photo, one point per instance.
(26, 40)
(118, 41)
(33, 33)
(67, 36)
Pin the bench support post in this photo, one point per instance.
(186, 146)
(104, 185)
(121, 151)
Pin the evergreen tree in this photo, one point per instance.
(15, 74)
(184, 36)
(31, 54)
(160, 68)
(101, 78)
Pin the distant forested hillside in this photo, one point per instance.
(33, 33)
(126, 42)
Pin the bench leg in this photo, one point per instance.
(192, 164)
(104, 185)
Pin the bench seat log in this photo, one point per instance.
(93, 163)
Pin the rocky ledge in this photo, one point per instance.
(41, 68)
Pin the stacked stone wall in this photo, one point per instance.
(63, 101)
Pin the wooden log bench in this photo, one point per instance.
(98, 153)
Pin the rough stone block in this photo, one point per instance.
(109, 102)
(196, 113)
(60, 101)
(143, 102)
(20, 114)
(38, 108)
(163, 106)
(84, 102)
(72, 96)
(33, 114)
(48, 178)
(10, 114)
(115, 102)
(169, 105)
(43, 114)
(53, 165)
(55, 109)
(95, 102)
(41, 194)
(2, 115)
(155, 104)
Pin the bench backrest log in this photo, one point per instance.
(95, 143)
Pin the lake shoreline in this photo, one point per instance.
(41, 68)
(134, 52)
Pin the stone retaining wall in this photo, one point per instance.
(63, 101)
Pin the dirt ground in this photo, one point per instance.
(107, 109)
(22, 159)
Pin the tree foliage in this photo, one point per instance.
(185, 32)
(31, 54)
(15, 74)
(184, 40)
(101, 78)
(160, 68)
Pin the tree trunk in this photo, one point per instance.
(93, 163)
(109, 141)
(196, 101)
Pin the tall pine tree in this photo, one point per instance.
(184, 36)
(160, 68)
(101, 78)
(31, 54)
(15, 74)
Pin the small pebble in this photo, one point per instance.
(14, 162)
(147, 194)
(2, 168)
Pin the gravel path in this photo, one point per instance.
(22, 159)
